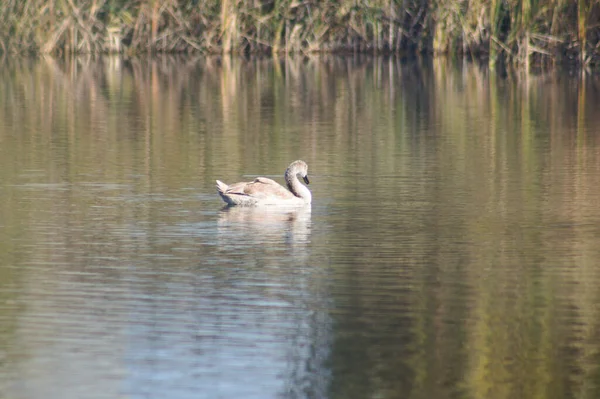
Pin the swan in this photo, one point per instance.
(264, 191)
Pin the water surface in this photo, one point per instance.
(451, 250)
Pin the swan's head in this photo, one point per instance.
(298, 168)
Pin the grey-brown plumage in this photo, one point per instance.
(265, 191)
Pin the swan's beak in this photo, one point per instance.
(305, 178)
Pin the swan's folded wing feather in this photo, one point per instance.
(263, 187)
(266, 180)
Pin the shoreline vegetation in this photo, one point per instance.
(525, 33)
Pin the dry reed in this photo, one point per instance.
(523, 32)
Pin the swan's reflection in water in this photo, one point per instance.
(262, 331)
(263, 226)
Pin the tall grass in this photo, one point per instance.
(524, 32)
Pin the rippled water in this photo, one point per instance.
(451, 250)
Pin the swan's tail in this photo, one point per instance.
(221, 187)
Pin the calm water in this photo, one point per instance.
(452, 249)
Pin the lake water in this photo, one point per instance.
(452, 249)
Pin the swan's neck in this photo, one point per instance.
(297, 188)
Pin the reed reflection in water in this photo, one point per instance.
(450, 251)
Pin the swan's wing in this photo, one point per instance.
(236, 188)
(263, 187)
(260, 188)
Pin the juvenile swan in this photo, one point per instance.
(264, 191)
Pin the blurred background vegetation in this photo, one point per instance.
(527, 32)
